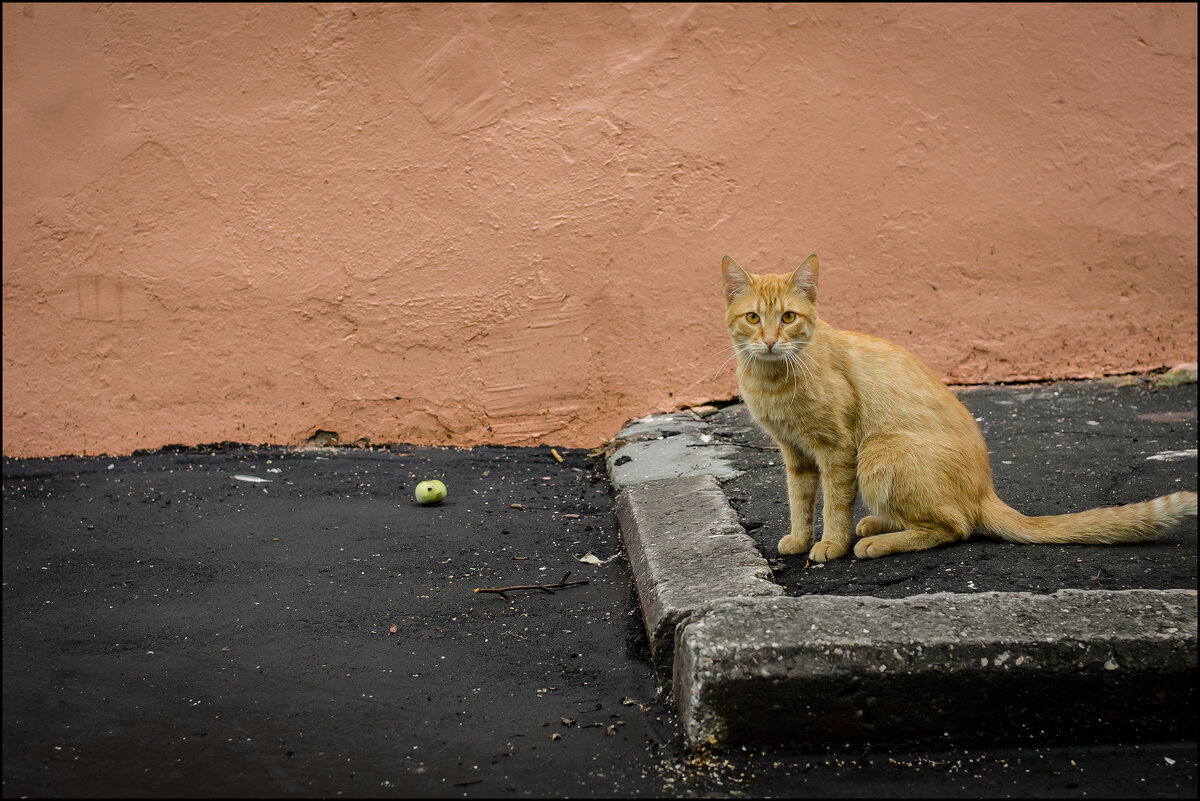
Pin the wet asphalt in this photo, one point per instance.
(173, 629)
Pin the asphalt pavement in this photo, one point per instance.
(248, 621)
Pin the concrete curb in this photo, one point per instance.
(686, 548)
(747, 663)
(818, 668)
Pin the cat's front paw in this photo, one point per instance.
(827, 551)
(793, 544)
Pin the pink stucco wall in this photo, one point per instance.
(504, 223)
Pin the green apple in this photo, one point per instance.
(430, 492)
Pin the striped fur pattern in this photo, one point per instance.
(855, 414)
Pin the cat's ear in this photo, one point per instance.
(804, 279)
(736, 279)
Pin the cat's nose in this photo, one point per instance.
(770, 343)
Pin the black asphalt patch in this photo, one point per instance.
(169, 626)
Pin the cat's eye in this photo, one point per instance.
(789, 317)
(751, 317)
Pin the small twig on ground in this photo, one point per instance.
(549, 589)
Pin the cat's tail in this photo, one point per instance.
(1136, 522)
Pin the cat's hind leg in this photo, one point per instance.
(916, 486)
(920, 538)
(871, 525)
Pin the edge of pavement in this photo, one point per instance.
(747, 663)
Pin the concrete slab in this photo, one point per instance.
(657, 426)
(676, 456)
(835, 668)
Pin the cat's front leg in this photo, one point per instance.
(802, 479)
(840, 485)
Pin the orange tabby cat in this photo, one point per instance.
(867, 416)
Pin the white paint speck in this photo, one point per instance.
(1172, 456)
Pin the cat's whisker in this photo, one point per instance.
(739, 348)
(787, 367)
(722, 367)
(804, 363)
(796, 358)
(789, 361)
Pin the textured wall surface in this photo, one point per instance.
(504, 223)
